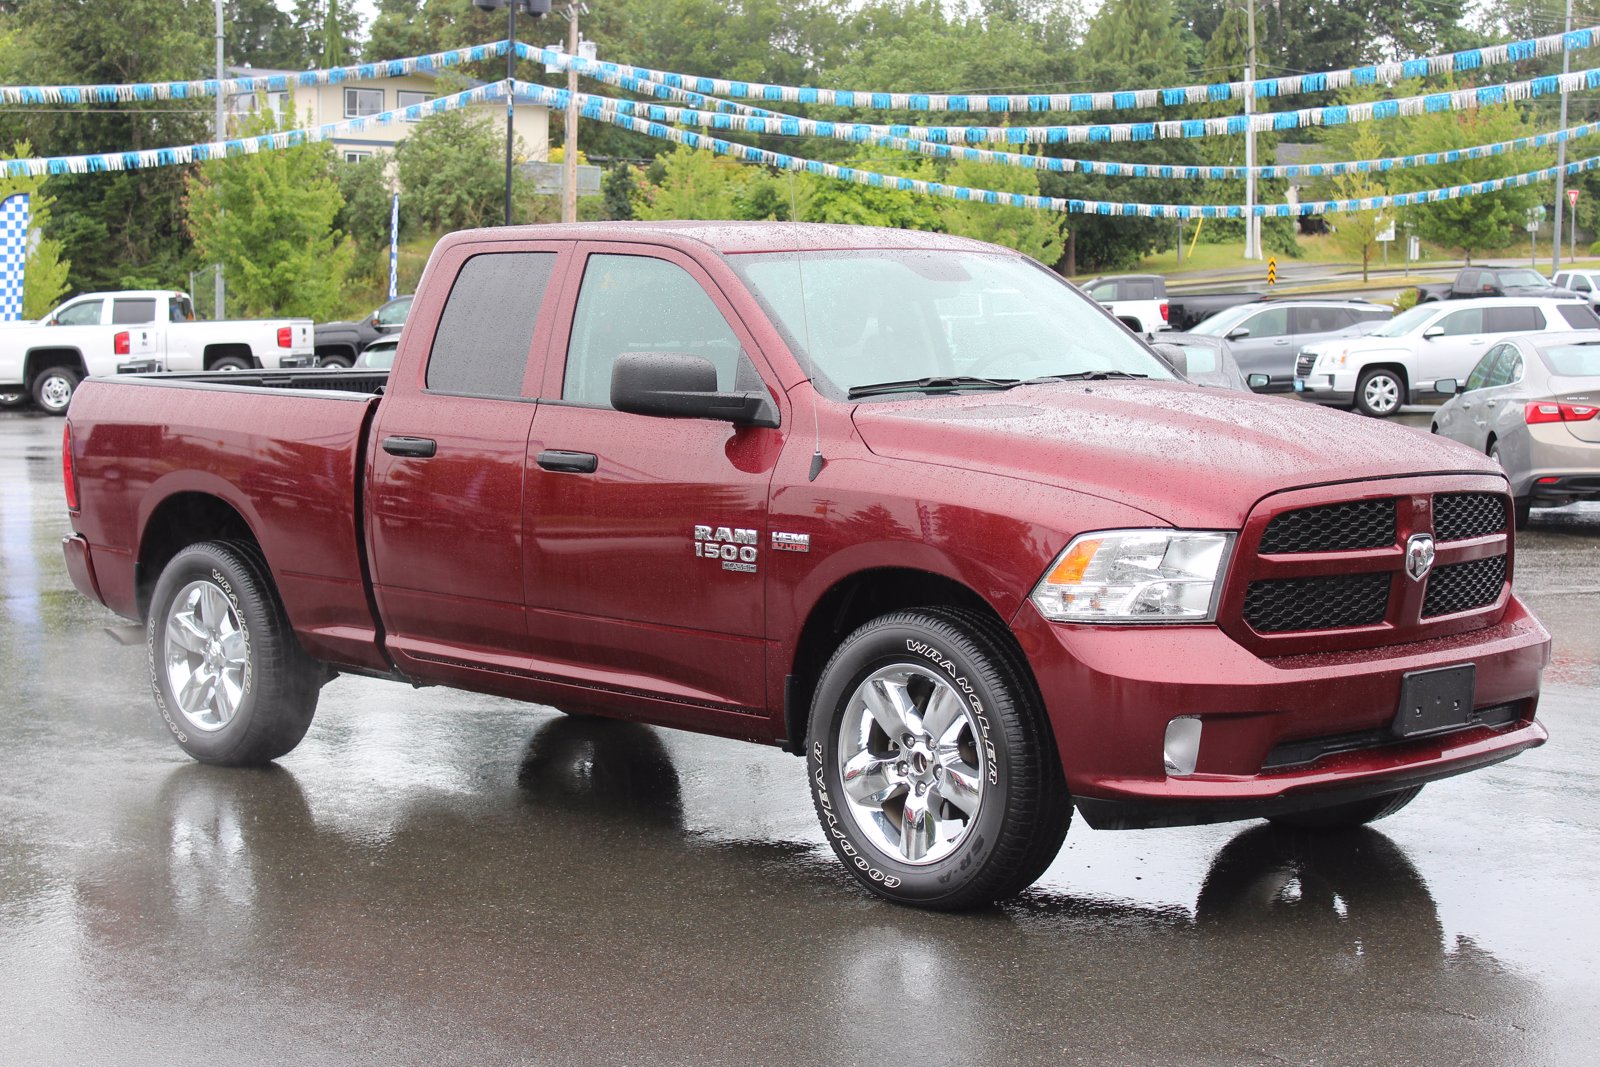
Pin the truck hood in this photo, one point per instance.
(1192, 457)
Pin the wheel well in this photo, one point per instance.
(1488, 446)
(215, 352)
(1398, 369)
(42, 359)
(178, 522)
(848, 605)
(336, 350)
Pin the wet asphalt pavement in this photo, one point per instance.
(442, 878)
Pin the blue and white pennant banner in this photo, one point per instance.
(1472, 59)
(556, 98)
(100, 162)
(264, 83)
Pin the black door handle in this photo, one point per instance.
(419, 447)
(552, 459)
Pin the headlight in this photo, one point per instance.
(1333, 359)
(1120, 576)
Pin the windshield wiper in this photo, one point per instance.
(913, 385)
(1085, 376)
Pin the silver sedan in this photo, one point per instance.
(1533, 403)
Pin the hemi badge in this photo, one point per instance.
(790, 542)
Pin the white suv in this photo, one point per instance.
(1399, 362)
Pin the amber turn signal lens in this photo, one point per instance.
(1070, 570)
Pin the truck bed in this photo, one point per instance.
(284, 450)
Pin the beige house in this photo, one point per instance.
(318, 105)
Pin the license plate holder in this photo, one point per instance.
(1436, 700)
(1299, 385)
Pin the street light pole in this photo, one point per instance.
(221, 131)
(1561, 158)
(534, 8)
(569, 151)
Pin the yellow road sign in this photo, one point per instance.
(1272, 270)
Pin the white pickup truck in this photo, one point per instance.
(95, 333)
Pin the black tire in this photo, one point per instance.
(275, 681)
(1348, 816)
(12, 398)
(1022, 809)
(53, 389)
(1380, 392)
(334, 360)
(232, 363)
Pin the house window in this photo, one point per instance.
(362, 102)
(404, 98)
(352, 156)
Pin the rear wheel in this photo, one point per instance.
(231, 681)
(931, 767)
(1345, 816)
(231, 363)
(1379, 392)
(53, 389)
(12, 398)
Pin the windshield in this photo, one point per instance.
(1406, 321)
(868, 317)
(1529, 278)
(1225, 320)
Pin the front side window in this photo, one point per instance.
(873, 316)
(1462, 323)
(362, 102)
(85, 313)
(394, 312)
(640, 304)
(1271, 323)
(486, 331)
(1484, 371)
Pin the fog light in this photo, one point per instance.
(1181, 751)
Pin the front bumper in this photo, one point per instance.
(1110, 692)
(1327, 389)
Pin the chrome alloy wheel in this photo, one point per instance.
(206, 656)
(911, 765)
(1381, 393)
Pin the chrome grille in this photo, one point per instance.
(1464, 586)
(1332, 528)
(1338, 601)
(1303, 364)
(1458, 516)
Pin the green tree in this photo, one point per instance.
(364, 185)
(268, 218)
(452, 173)
(45, 271)
(694, 185)
(258, 33)
(1356, 232)
(328, 29)
(1032, 232)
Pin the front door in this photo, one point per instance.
(647, 537)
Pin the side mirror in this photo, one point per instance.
(1431, 332)
(1238, 332)
(1174, 356)
(52, 322)
(1257, 382)
(1447, 387)
(677, 386)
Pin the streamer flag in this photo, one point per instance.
(16, 216)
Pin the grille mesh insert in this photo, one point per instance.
(1280, 605)
(1457, 516)
(1332, 528)
(1464, 586)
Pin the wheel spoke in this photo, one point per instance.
(890, 706)
(918, 828)
(870, 779)
(958, 783)
(195, 693)
(215, 615)
(943, 714)
(187, 633)
(233, 646)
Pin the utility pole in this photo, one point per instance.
(511, 95)
(1561, 160)
(569, 150)
(1252, 245)
(222, 131)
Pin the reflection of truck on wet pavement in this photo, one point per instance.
(749, 480)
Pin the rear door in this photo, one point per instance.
(647, 537)
(446, 489)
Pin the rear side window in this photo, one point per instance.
(1513, 319)
(1579, 316)
(1139, 289)
(481, 348)
(128, 312)
(1320, 319)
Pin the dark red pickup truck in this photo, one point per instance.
(905, 504)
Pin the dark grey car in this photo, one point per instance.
(1266, 338)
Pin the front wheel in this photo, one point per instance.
(931, 764)
(53, 389)
(231, 681)
(1347, 816)
(1378, 393)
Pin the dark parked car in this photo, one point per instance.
(338, 343)
(1491, 281)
